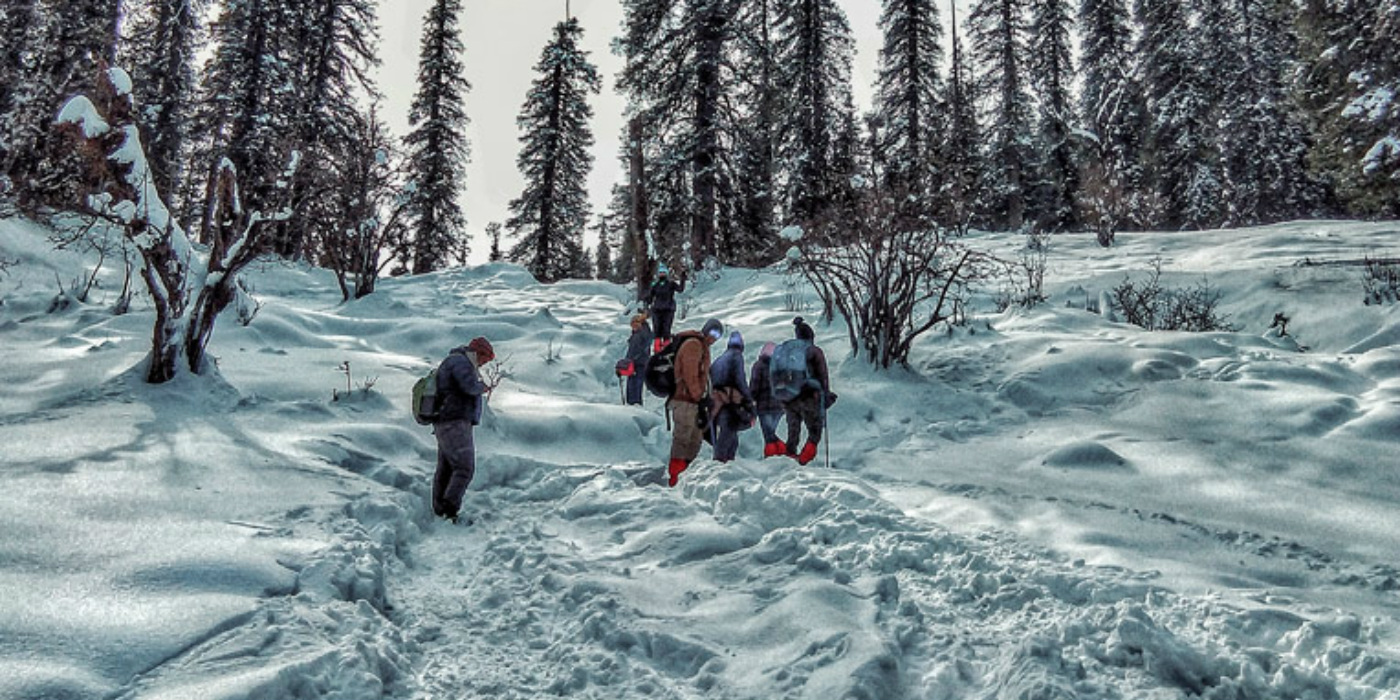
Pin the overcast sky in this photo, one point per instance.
(504, 39)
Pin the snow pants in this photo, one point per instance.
(456, 465)
(727, 428)
(806, 410)
(686, 433)
(634, 387)
(661, 322)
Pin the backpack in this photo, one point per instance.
(425, 400)
(788, 369)
(660, 376)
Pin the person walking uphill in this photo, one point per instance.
(768, 407)
(734, 405)
(638, 353)
(692, 368)
(460, 389)
(800, 381)
(661, 300)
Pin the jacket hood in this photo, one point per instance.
(736, 340)
(713, 330)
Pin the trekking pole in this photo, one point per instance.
(827, 428)
(622, 389)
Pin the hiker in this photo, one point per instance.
(459, 391)
(733, 404)
(661, 300)
(638, 353)
(689, 403)
(799, 377)
(769, 408)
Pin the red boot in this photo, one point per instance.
(677, 466)
(774, 449)
(809, 453)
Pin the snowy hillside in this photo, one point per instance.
(1049, 505)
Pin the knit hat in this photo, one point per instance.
(768, 349)
(736, 340)
(662, 270)
(803, 331)
(639, 319)
(482, 347)
(713, 329)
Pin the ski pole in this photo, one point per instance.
(826, 427)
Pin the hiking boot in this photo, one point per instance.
(809, 453)
(774, 449)
(675, 468)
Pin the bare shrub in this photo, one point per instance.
(1147, 304)
(1380, 278)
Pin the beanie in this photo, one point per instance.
(482, 348)
(713, 329)
(802, 330)
(736, 340)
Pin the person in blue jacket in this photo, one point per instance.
(731, 399)
(638, 353)
(460, 389)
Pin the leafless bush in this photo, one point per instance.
(1025, 285)
(1149, 305)
(1381, 280)
(890, 278)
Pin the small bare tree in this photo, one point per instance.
(891, 279)
(189, 286)
(368, 209)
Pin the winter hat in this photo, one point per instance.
(713, 329)
(662, 270)
(638, 320)
(768, 349)
(482, 347)
(804, 331)
(736, 340)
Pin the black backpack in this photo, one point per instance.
(660, 376)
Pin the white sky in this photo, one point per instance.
(503, 40)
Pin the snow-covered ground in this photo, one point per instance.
(1049, 505)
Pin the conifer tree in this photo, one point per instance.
(1369, 128)
(437, 142)
(815, 53)
(908, 103)
(493, 234)
(1177, 171)
(677, 75)
(247, 103)
(961, 195)
(1112, 112)
(160, 43)
(67, 43)
(997, 30)
(1264, 158)
(752, 236)
(17, 22)
(550, 215)
(1052, 75)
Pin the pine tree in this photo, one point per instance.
(1112, 111)
(1052, 74)
(677, 76)
(1367, 126)
(161, 40)
(493, 234)
(247, 102)
(961, 195)
(17, 23)
(437, 142)
(752, 238)
(815, 53)
(335, 48)
(550, 215)
(68, 42)
(998, 36)
(1177, 152)
(908, 102)
(1264, 157)
(603, 257)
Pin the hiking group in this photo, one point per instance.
(706, 402)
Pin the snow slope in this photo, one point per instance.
(1048, 505)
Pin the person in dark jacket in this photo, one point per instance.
(730, 395)
(768, 407)
(808, 408)
(460, 387)
(661, 300)
(638, 353)
(692, 390)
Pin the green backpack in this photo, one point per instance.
(425, 399)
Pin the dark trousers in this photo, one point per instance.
(727, 429)
(456, 465)
(661, 321)
(806, 410)
(768, 423)
(634, 388)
